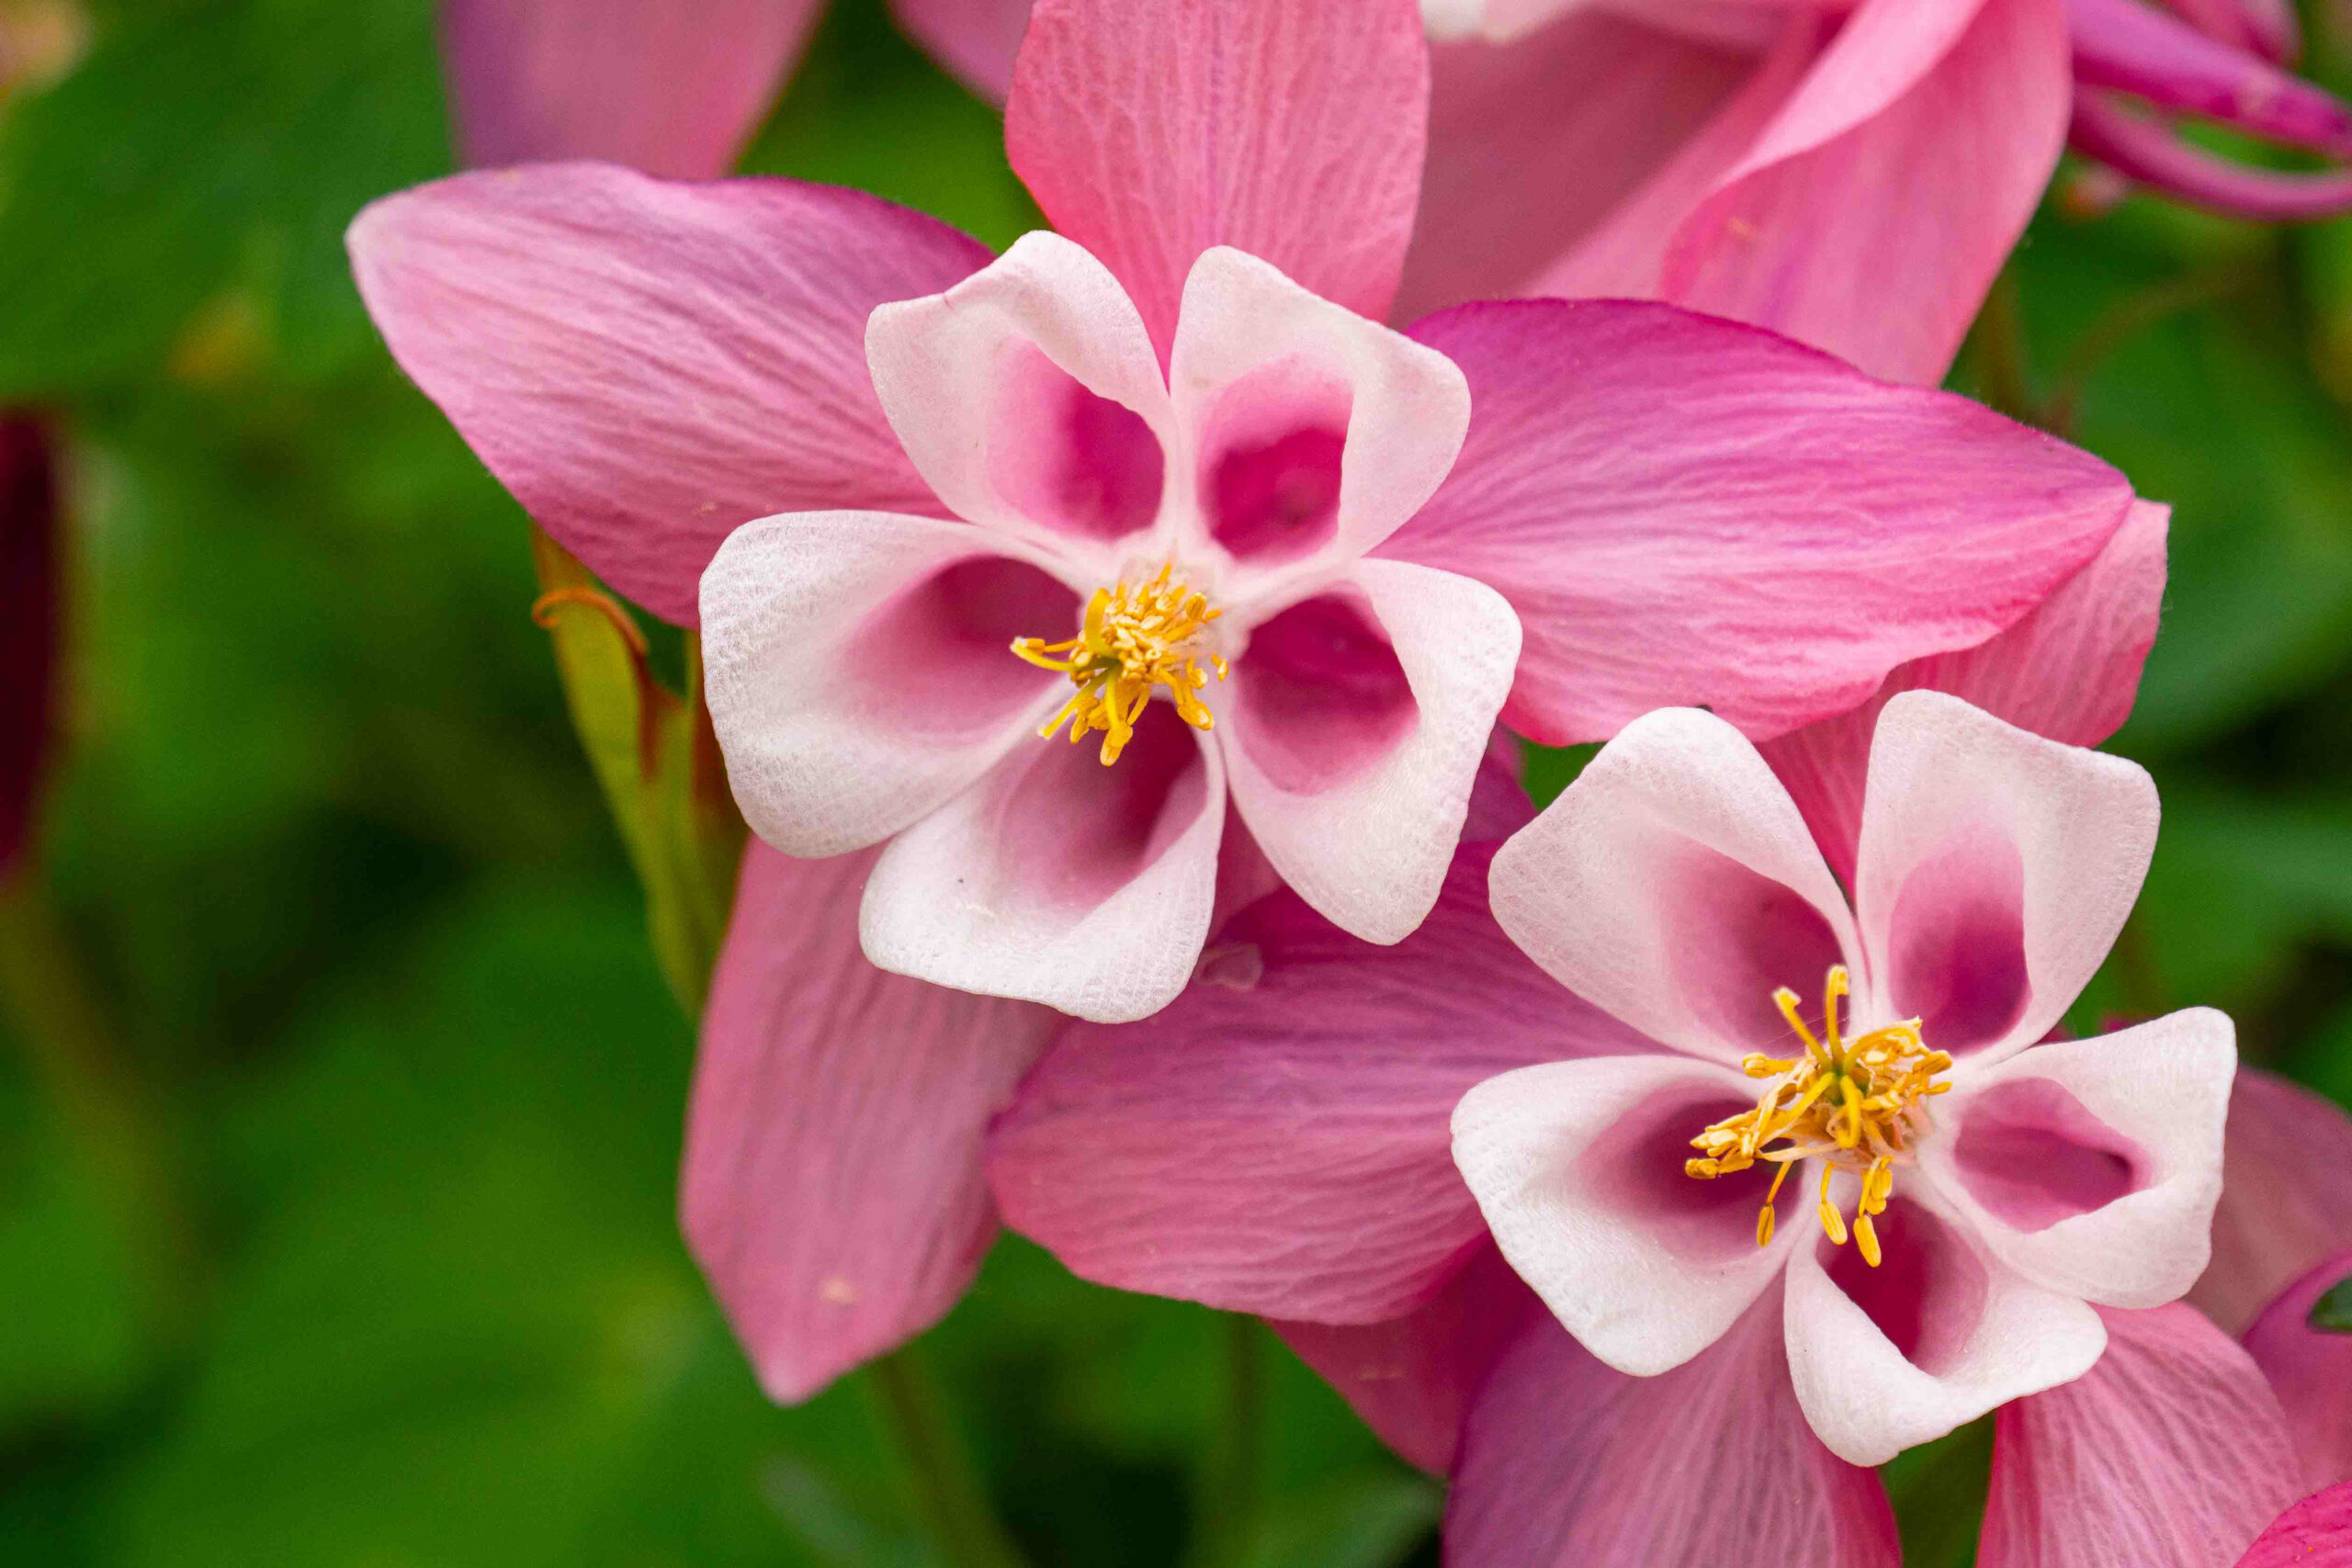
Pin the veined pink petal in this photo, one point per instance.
(1275, 1141)
(1534, 145)
(859, 671)
(833, 1188)
(1028, 395)
(1356, 798)
(1411, 1378)
(1935, 1336)
(2155, 55)
(1986, 896)
(2153, 153)
(1059, 880)
(2170, 1454)
(1577, 1168)
(1261, 364)
(1673, 885)
(29, 614)
(2286, 1196)
(1566, 1464)
(1152, 130)
(977, 39)
(672, 88)
(649, 365)
(2091, 1166)
(2069, 670)
(1686, 511)
(2310, 1369)
(1872, 214)
(2314, 1533)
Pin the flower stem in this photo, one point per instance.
(1224, 1506)
(948, 1496)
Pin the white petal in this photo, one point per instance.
(1352, 759)
(1979, 1334)
(1578, 1166)
(1995, 869)
(1058, 880)
(1267, 380)
(858, 669)
(1674, 885)
(1029, 396)
(2092, 1167)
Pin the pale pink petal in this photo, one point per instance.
(1532, 146)
(1995, 869)
(977, 39)
(2286, 1196)
(2310, 1369)
(1275, 1141)
(1577, 1168)
(1354, 736)
(1689, 512)
(672, 88)
(2069, 670)
(1028, 395)
(1313, 433)
(2314, 1533)
(1625, 254)
(833, 1188)
(2170, 1454)
(2091, 1167)
(1566, 1464)
(1410, 1379)
(1151, 130)
(1938, 1334)
(1673, 887)
(1058, 880)
(1871, 215)
(859, 672)
(649, 365)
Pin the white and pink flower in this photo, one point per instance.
(1995, 1185)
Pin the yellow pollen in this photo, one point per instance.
(1854, 1105)
(1133, 640)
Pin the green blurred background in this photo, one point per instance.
(340, 1097)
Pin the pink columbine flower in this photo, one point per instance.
(1183, 564)
(1991, 1188)
(1675, 509)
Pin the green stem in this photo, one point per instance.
(54, 1008)
(948, 1495)
(1225, 1504)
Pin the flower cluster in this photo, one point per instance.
(1389, 385)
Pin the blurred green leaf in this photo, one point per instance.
(1368, 1521)
(178, 201)
(2333, 1312)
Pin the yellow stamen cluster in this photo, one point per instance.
(1855, 1105)
(1133, 639)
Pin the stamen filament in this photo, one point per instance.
(1131, 642)
(1855, 1105)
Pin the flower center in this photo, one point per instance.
(1855, 1104)
(1133, 639)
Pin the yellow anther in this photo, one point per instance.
(1855, 1105)
(1132, 640)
